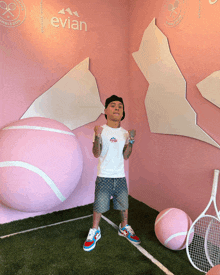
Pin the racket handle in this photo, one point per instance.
(215, 182)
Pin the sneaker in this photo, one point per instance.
(128, 233)
(93, 236)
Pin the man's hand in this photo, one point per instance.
(132, 134)
(98, 130)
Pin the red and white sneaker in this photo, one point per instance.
(128, 233)
(93, 236)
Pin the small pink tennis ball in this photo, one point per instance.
(40, 164)
(171, 228)
(214, 271)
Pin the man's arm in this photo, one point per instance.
(128, 147)
(127, 150)
(97, 147)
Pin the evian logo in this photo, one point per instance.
(12, 13)
(68, 22)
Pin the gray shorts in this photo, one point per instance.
(107, 187)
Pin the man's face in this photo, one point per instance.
(114, 111)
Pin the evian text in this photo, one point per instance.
(67, 23)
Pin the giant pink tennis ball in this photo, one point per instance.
(214, 271)
(171, 228)
(40, 164)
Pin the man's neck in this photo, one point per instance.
(113, 124)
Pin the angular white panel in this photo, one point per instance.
(168, 110)
(73, 100)
(210, 88)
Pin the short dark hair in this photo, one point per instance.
(115, 98)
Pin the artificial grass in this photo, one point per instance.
(58, 249)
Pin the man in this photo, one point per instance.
(111, 144)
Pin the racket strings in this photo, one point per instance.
(212, 242)
(203, 240)
(196, 249)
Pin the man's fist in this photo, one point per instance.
(132, 133)
(98, 130)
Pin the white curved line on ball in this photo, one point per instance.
(38, 171)
(173, 236)
(38, 128)
(212, 2)
(163, 215)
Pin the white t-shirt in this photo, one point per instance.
(111, 160)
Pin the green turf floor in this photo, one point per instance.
(58, 249)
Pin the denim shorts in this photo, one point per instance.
(105, 188)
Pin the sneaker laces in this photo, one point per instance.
(129, 229)
(91, 234)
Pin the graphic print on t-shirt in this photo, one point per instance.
(113, 139)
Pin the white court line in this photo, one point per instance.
(143, 251)
(140, 248)
(33, 229)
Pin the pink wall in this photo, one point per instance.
(176, 171)
(33, 61)
(164, 170)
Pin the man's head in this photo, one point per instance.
(114, 105)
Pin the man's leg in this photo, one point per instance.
(125, 230)
(96, 219)
(124, 218)
(121, 201)
(94, 233)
